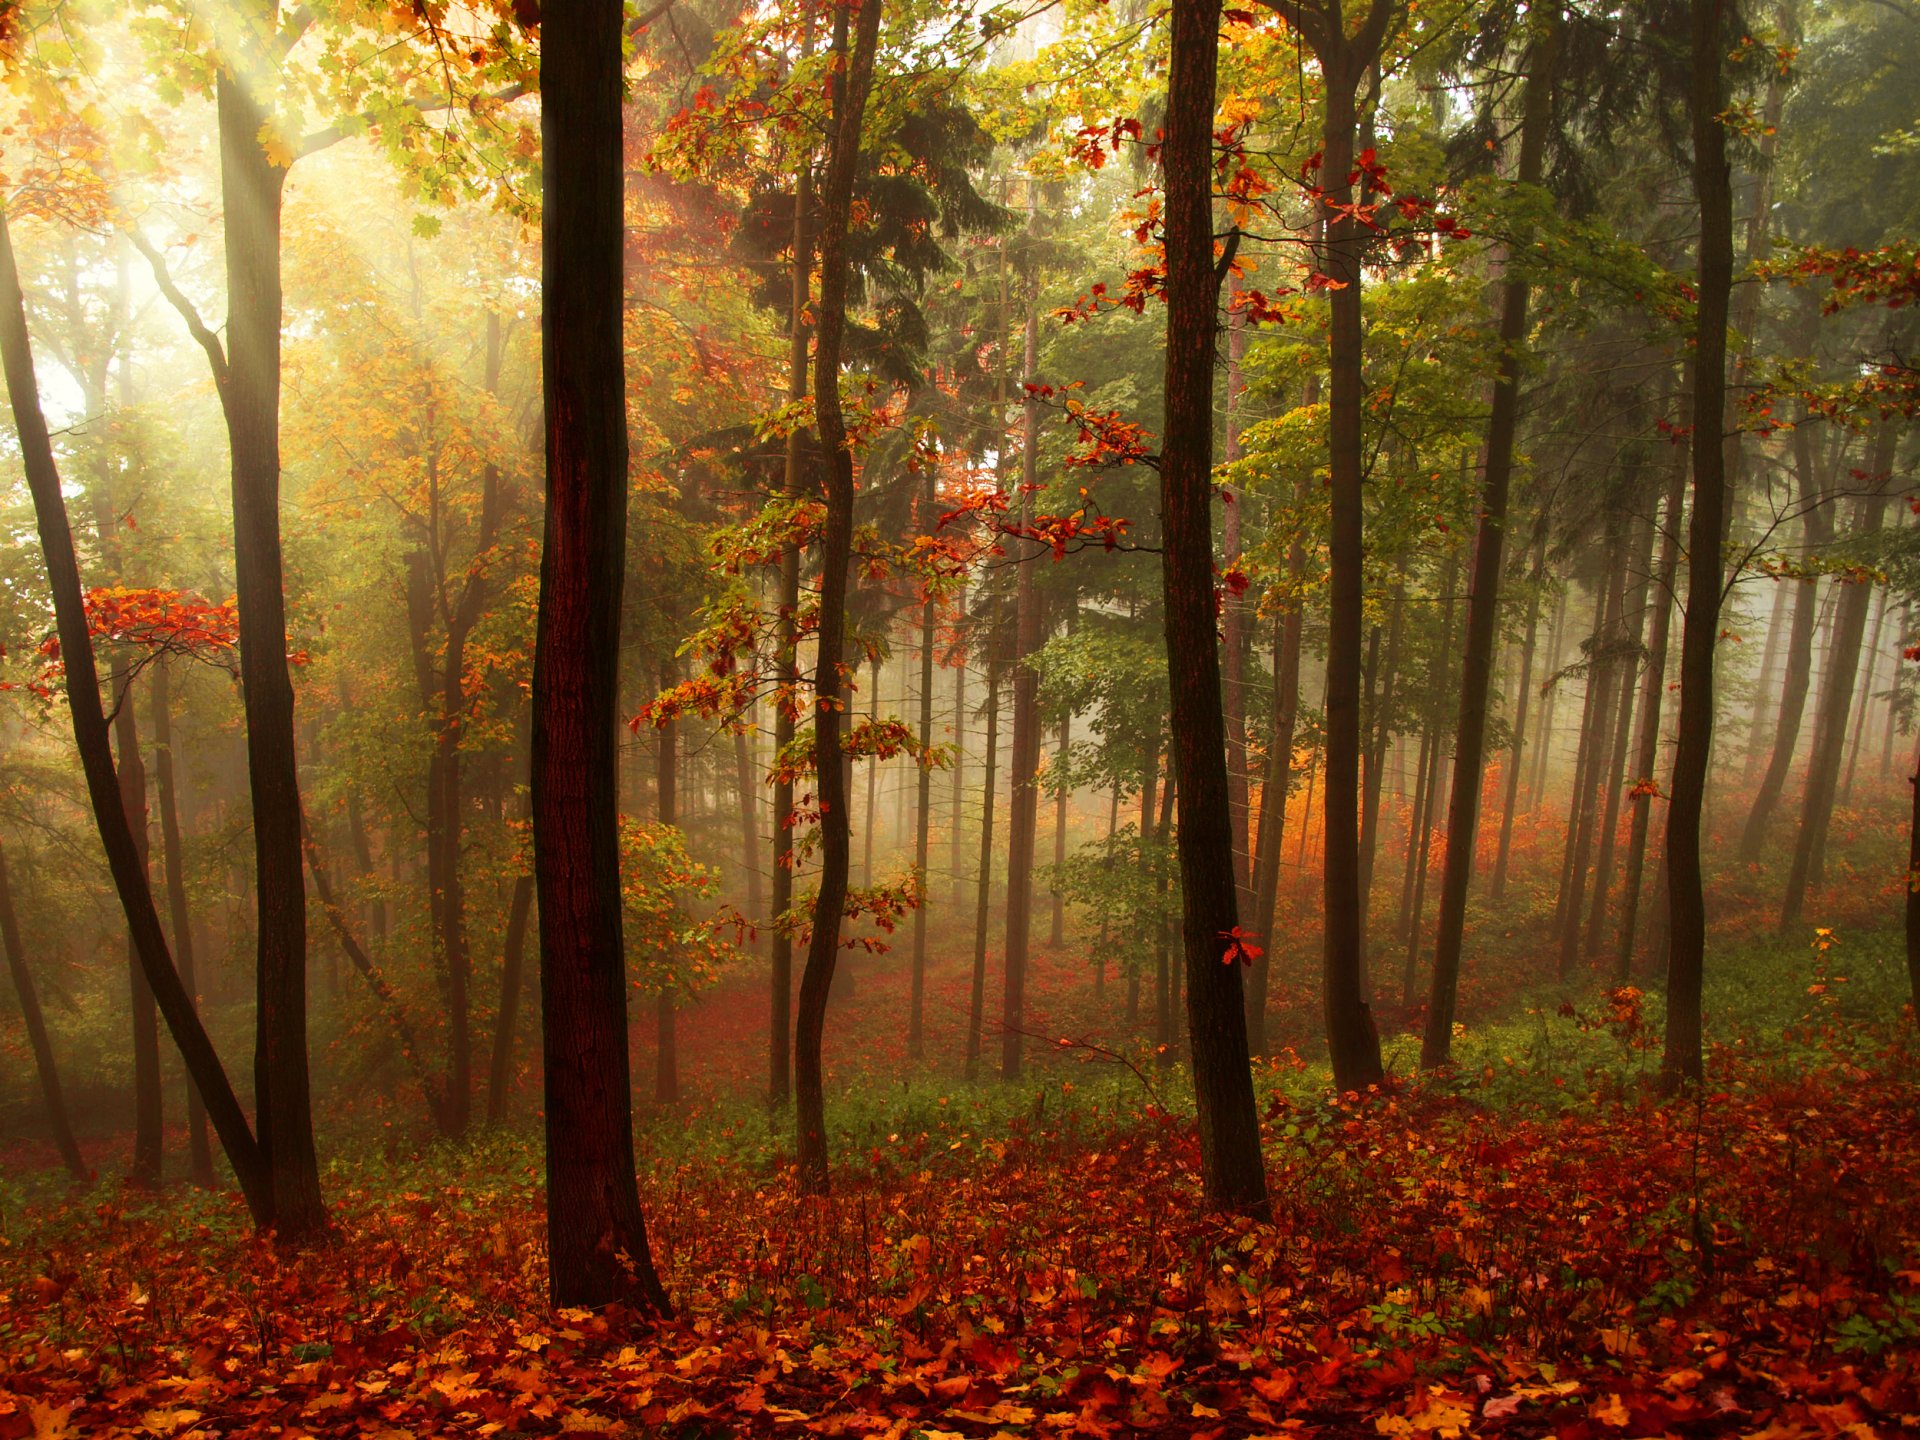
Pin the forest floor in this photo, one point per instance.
(1537, 1244)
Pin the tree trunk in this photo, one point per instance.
(1615, 777)
(1352, 1040)
(1913, 891)
(956, 849)
(597, 1249)
(174, 860)
(749, 824)
(251, 187)
(1483, 600)
(58, 1123)
(1517, 755)
(1868, 678)
(666, 802)
(512, 965)
(984, 881)
(1234, 613)
(852, 77)
(96, 757)
(1843, 666)
(131, 772)
(1686, 903)
(873, 776)
(1589, 771)
(1057, 933)
(1233, 1174)
(1816, 522)
(1379, 712)
(1647, 745)
(923, 821)
(1024, 757)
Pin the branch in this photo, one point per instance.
(196, 327)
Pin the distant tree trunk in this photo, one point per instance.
(743, 780)
(512, 966)
(1024, 757)
(1415, 931)
(1843, 667)
(1483, 600)
(251, 184)
(873, 776)
(666, 793)
(1686, 902)
(1868, 678)
(1517, 754)
(1273, 811)
(174, 860)
(983, 883)
(1234, 613)
(1778, 618)
(1163, 1036)
(92, 740)
(1550, 691)
(147, 1097)
(956, 849)
(852, 77)
(1816, 523)
(1603, 673)
(1379, 709)
(597, 1250)
(1212, 873)
(58, 1123)
(1913, 892)
(1106, 922)
(923, 821)
(1615, 779)
(1647, 745)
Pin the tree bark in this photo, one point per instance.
(923, 823)
(131, 772)
(1686, 903)
(853, 76)
(1233, 1174)
(983, 884)
(597, 1249)
(1517, 755)
(666, 794)
(1614, 780)
(512, 967)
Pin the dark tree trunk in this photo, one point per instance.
(512, 967)
(174, 860)
(1483, 600)
(91, 739)
(1615, 779)
(1686, 903)
(1352, 1040)
(1235, 630)
(597, 1249)
(1816, 522)
(1023, 759)
(251, 186)
(1647, 744)
(853, 76)
(1232, 1172)
(977, 991)
(58, 1123)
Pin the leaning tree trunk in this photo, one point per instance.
(91, 739)
(1232, 1172)
(58, 1123)
(1706, 536)
(1483, 600)
(852, 78)
(597, 1250)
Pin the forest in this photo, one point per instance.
(918, 719)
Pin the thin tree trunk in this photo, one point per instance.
(666, 804)
(923, 821)
(1024, 756)
(597, 1250)
(1234, 612)
(1517, 755)
(853, 75)
(1865, 703)
(743, 779)
(956, 856)
(1686, 903)
(131, 772)
(512, 967)
(58, 1123)
(1379, 709)
(873, 776)
(1616, 776)
(983, 882)
(174, 860)
(1647, 746)
(1057, 934)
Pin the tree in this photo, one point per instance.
(596, 1235)
(1232, 1170)
(852, 78)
